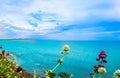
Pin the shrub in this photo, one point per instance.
(8, 66)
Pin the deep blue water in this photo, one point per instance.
(43, 54)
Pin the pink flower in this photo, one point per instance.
(100, 65)
(102, 54)
(3, 52)
(7, 54)
(98, 59)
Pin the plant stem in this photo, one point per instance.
(94, 75)
(63, 56)
(55, 66)
(34, 75)
(58, 64)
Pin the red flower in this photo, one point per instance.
(98, 59)
(14, 69)
(100, 65)
(7, 54)
(3, 52)
(102, 54)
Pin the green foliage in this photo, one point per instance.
(8, 66)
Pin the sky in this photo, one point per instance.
(60, 19)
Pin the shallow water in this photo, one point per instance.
(43, 54)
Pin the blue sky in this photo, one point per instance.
(60, 19)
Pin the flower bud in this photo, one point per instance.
(102, 70)
(105, 61)
(117, 73)
(21, 72)
(91, 74)
(60, 61)
(15, 77)
(95, 67)
(100, 65)
(50, 74)
(98, 59)
(66, 48)
(8, 54)
(14, 58)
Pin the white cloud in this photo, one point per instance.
(67, 12)
(76, 34)
(117, 8)
(2, 34)
(17, 20)
(97, 33)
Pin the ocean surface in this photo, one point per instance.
(43, 54)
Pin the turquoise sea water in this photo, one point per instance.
(43, 54)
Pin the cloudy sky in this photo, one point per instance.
(60, 19)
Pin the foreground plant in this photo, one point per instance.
(64, 52)
(34, 75)
(100, 68)
(117, 74)
(8, 66)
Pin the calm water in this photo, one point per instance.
(43, 54)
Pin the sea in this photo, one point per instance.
(41, 55)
